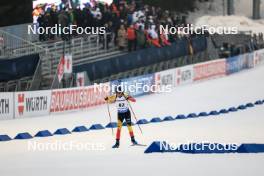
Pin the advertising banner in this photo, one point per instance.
(32, 104)
(184, 75)
(60, 69)
(165, 78)
(208, 70)
(250, 59)
(258, 57)
(68, 63)
(6, 105)
(237, 63)
(63, 100)
(137, 86)
(80, 79)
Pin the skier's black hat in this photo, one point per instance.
(119, 89)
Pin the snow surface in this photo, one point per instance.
(211, 13)
(241, 127)
(215, 8)
(242, 23)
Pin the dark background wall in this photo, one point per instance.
(14, 12)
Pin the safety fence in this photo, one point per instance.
(121, 63)
(36, 103)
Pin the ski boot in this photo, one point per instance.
(134, 142)
(116, 144)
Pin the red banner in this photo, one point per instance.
(77, 98)
(209, 70)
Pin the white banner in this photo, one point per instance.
(165, 78)
(60, 69)
(6, 105)
(184, 75)
(68, 63)
(258, 57)
(35, 103)
(80, 79)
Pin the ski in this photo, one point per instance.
(140, 145)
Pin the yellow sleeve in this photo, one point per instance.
(111, 98)
(126, 95)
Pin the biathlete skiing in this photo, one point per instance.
(120, 98)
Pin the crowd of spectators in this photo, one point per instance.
(130, 25)
(254, 42)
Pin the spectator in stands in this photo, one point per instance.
(131, 37)
(154, 38)
(164, 39)
(63, 20)
(48, 23)
(133, 15)
(121, 37)
(108, 37)
(1, 45)
(41, 24)
(79, 17)
(54, 17)
(141, 37)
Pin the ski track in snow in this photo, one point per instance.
(239, 127)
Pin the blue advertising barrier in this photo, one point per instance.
(155, 120)
(238, 63)
(223, 111)
(251, 148)
(62, 131)
(129, 61)
(180, 116)
(192, 115)
(5, 138)
(142, 121)
(158, 147)
(125, 124)
(139, 85)
(168, 118)
(204, 148)
(25, 135)
(214, 113)
(111, 125)
(203, 114)
(79, 129)
(96, 127)
(43, 133)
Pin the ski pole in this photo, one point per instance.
(134, 116)
(110, 118)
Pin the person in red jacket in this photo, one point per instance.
(123, 113)
(164, 40)
(131, 38)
